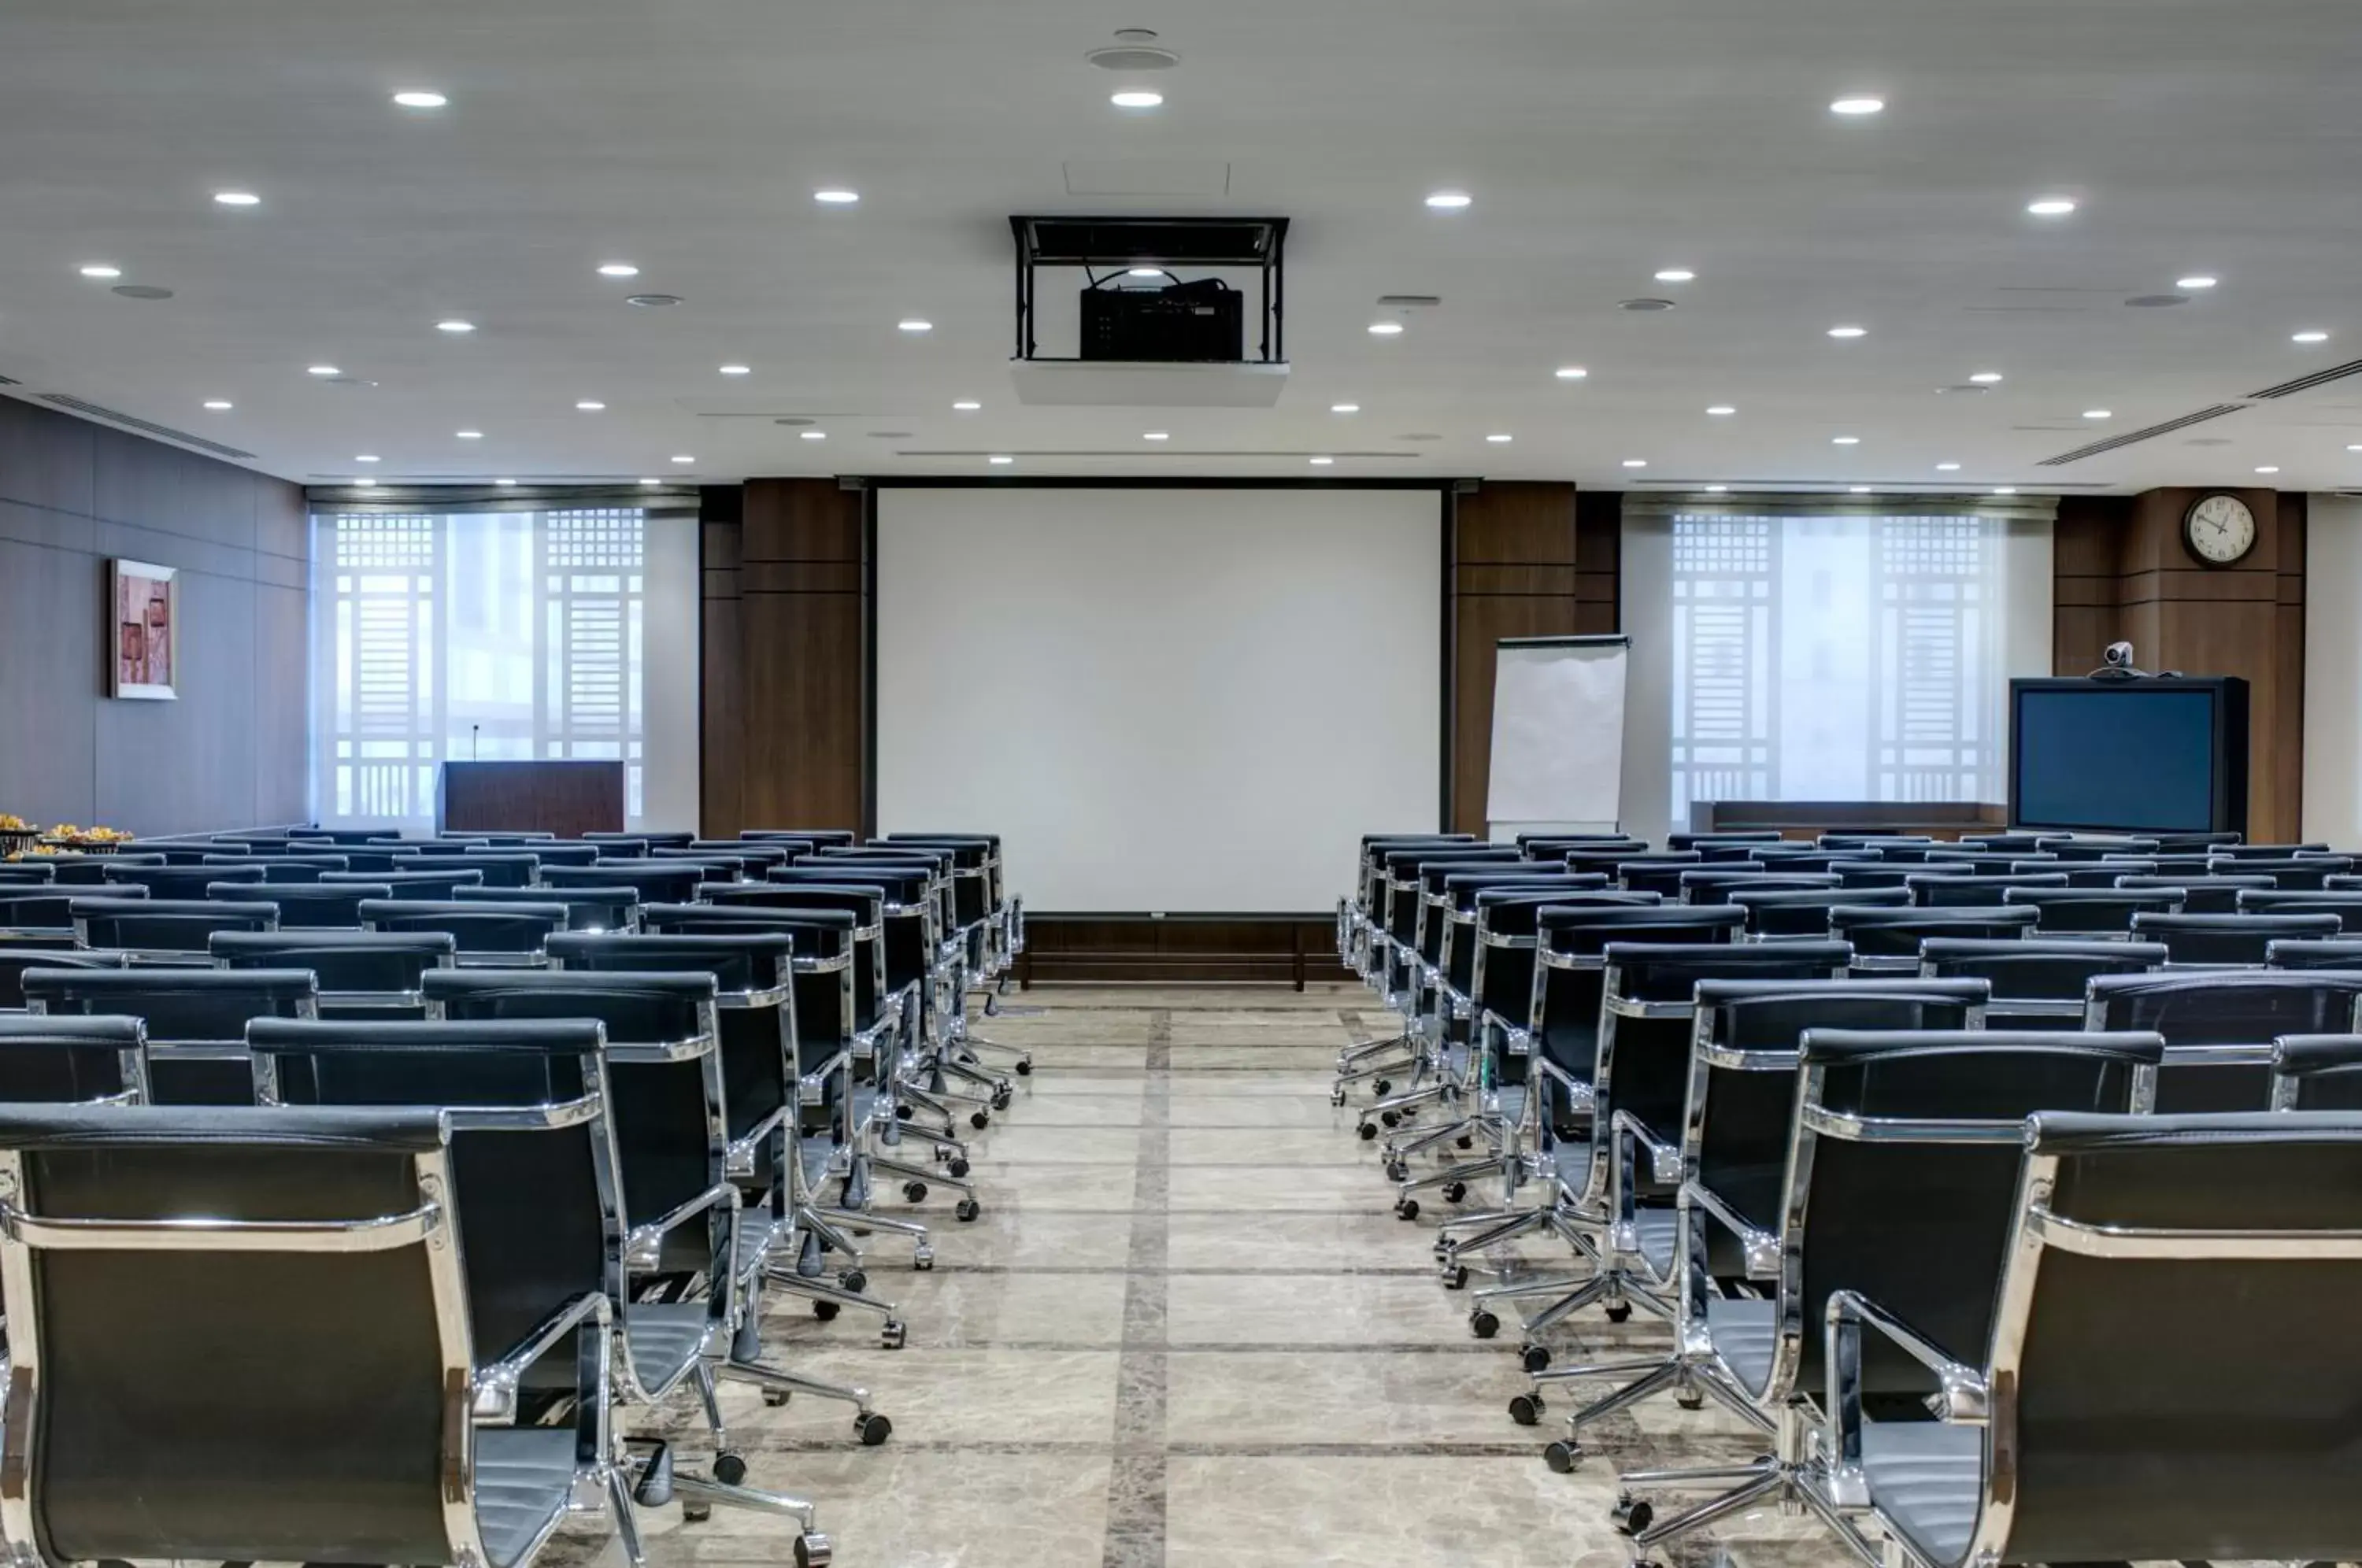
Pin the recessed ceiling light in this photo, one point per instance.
(1860, 105)
(238, 198)
(1145, 273)
(1344, 408)
(836, 196)
(1857, 489)
(2050, 206)
(505, 484)
(1845, 440)
(322, 370)
(419, 98)
(1716, 489)
(2267, 468)
(219, 404)
(967, 405)
(1321, 462)
(814, 434)
(1722, 410)
(364, 484)
(1135, 98)
(100, 270)
(1500, 439)
(683, 457)
(592, 406)
(651, 302)
(618, 269)
(1448, 201)
(1155, 436)
(2308, 336)
(2199, 281)
(737, 369)
(2099, 413)
(1847, 331)
(1985, 378)
(1570, 372)
(1675, 275)
(1636, 462)
(2004, 490)
(365, 456)
(455, 325)
(469, 435)
(2351, 447)
(998, 460)
(1385, 329)
(1947, 468)
(915, 324)
(652, 484)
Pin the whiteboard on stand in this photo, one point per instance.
(1558, 735)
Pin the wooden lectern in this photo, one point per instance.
(566, 798)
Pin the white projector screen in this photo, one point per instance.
(1165, 700)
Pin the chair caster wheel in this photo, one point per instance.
(872, 1429)
(1406, 1209)
(1525, 1409)
(904, 1113)
(813, 1551)
(922, 1258)
(1024, 1066)
(1337, 1097)
(980, 1120)
(891, 1336)
(1618, 1311)
(1398, 1171)
(1535, 1358)
(1632, 1515)
(824, 1310)
(966, 1210)
(958, 1167)
(1562, 1457)
(1383, 1087)
(853, 1279)
(696, 1513)
(729, 1469)
(1456, 1277)
(775, 1397)
(1464, 1141)
(1688, 1401)
(1369, 1132)
(1484, 1324)
(915, 1191)
(1454, 1191)
(1390, 1118)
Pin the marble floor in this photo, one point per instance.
(1189, 1331)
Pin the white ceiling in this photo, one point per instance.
(1602, 140)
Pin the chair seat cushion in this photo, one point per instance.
(524, 1478)
(1926, 1478)
(1660, 1232)
(1745, 1333)
(663, 1338)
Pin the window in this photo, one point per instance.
(1840, 656)
(493, 634)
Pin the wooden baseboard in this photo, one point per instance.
(1284, 950)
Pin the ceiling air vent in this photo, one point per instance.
(73, 404)
(2133, 437)
(2306, 383)
(10, 381)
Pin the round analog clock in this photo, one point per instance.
(2218, 529)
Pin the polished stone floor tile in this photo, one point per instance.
(1331, 1309)
(1379, 1400)
(1323, 1146)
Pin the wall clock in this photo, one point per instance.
(2218, 530)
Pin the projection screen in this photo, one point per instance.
(1175, 700)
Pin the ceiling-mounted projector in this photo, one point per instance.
(1202, 320)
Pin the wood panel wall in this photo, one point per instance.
(231, 752)
(785, 641)
(2120, 573)
(1528, 559)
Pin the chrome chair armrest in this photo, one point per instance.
(1515, 1039)
(811, 1088)
(492, 1391)
(1664, 1158)
(1760, 1248)
(646, 1243)
(1961, 1396)
(1577, 1090)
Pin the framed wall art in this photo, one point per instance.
(144, 631)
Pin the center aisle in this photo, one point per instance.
(1187, 1330)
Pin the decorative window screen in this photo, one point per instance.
(1837, 658)
(513, 634)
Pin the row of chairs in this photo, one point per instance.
(554, 1181)
(2012, 1181)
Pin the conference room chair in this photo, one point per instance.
(2002, 843)
(817, 837)
(1657, 873)
(26, 873)
(2230, 940)
(2345, 904)
(2268, 851)
(283, 868)
(1901, 846)
(546, 851)
(1892, 873)
(2219, 1027)
(196, 1018)
(341, 837)
(2083, 847)
(987, 924)
(521, 838)
(2199, 894)
(773, 852)
(2317, 1072)
(95, 870)
(495, 867)
(618, 846)
(594, 910)
(491, 935)
(733, 864)
(166, 931)
(2340, 953)
(1626, 1179)
(1901, 1188)
(406, 884)
(1969, 890)
(2107, 1415)
(363, 975)
(492, 1080)
(31, 907)
(1796, 856)
(1707, 884)
(1718, 836)
(49, 950)
(162, 1246)
(2105, 872)
(2305, 873)
(2036, 982)
(655, 881)
(1886, 938)
(306, 905)
(2193, 843)
(1805, 915)
(2090, 911)
(1983, 863)
(1728, 1167)
(72, 1060)
(1363, 935)
(183, 881)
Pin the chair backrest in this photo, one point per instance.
(2223, 940)
(308, 906)
(1572, 942)
(2199, 895)
(94, 870)
(2091, 911)
(2345, 906)
(1501, 972)
(1716, 837)
(818, 837)
(2310, 873)
(489, 933)
(1895, 873)
(181, 881)
(196, 1018)
(72, 1060)
(278, 869)
(547, 851)
(826, 1011)
(22, 954)
(2219, 1027)
(166, 927)
(618, 846)
(1895, 846)
(1707, 884)
(425, 886)
(2134, 1426)
(1806, 915)
(2235, 851)
(36, 871)
(2106, 872)
(1658, 873)
(250, 1311)
(2038, 982)
(362, 973)
(1886, 939)
(739, 863)
(1902, 1176)
(2317, 1072)
(2344, 952)
(1797, 858)
(2094, 846)
(878, 967)
(615, 907)
(1969, 890)
(655, 881)
(2002, 843)
(498, 868)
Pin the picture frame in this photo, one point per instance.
(143, 631)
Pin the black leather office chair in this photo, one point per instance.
(547, 851)
(618, 846)
(1746, 839)
(1794, 855)
(498, 869)
(41, 907)
(430, 886)
(95, 870)
(2037, 983)
(595, 910)
(2224, 941)
(1659, 873)
(1969, 890)
(1886, 940)
(655, 881)
(26, 873)
(1895, 873)
(255, 1312)
(1805, 915)
(2108, 871)
(2094, 846)
(165, 930)
(1709, 884)
(183, 882)
(2343, 952)
(2091, 912)
(2317, 1072)
(500, 935)
(2002, 843)
(196, 1018)
(818, 837)
(2344, 905)
(2199, 894)
(307, 906)
(2219, 1028)
(364, 976)
(2238, 851)
(2308, 873)
(72, 1060)
(1902, 847)
(281, 869)
(2109, 1416)
(28, 951)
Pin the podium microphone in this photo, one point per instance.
(475, 741)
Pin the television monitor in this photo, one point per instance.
(2154, 754)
